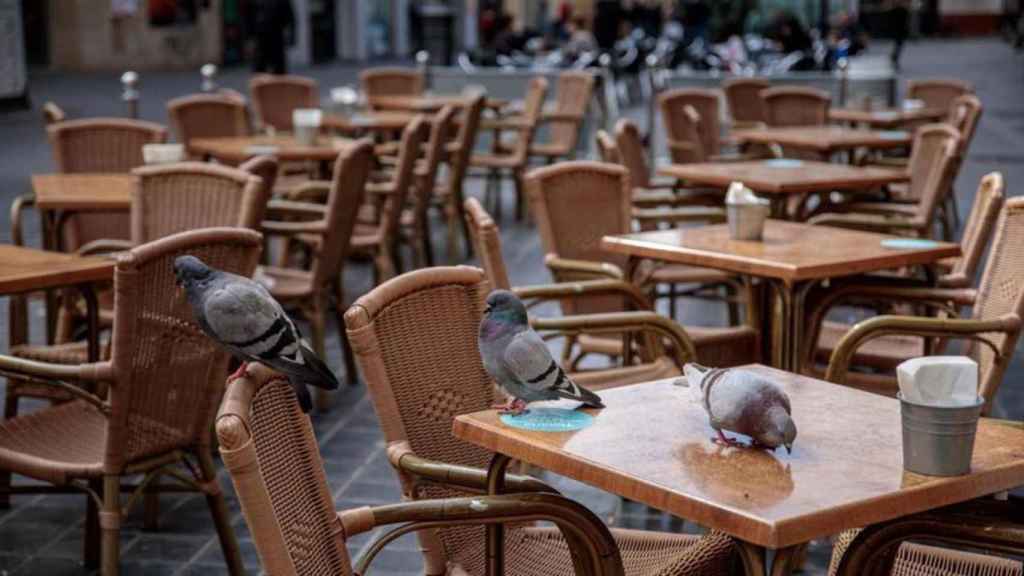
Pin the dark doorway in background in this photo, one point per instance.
(321, 30)
(35, 24)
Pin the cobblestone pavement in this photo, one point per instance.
(41, 535)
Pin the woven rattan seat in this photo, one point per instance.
(57, 444)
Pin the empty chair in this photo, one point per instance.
(937, 92)
(795, 106)
(415, 221)
(678, 125)
(162, 383)
(388, 81)
(743, 99)
(565, 123)
(274, 98)
(448, 194)
(399, 332)
(270, 450)
(208, 116)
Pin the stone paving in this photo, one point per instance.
(42, 535)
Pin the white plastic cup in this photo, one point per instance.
(163, 153)
(306, 123)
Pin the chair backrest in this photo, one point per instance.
(606, 148)
(1001, 292)
(266, 167)
(348, 187)
(964, 114)
(932, 167)
(275, 97)
(743, 98)
(795, 106)
(630, 146)
(684, 134)
(937, 92)
(533, 107)
(575, 91)
(207, 116)
(53, 114)
(707, 104)
(100, 145)
(398, 332)
(389, 81)
(487, 241)
(167, 375)
(271, 453)
(464, 142)
(440, 130)
(980, 226)
(172, 198)
(408, 151)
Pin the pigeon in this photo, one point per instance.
(743, 402)
(240, 315)
(518, 359)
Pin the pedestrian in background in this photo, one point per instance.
(271, 28)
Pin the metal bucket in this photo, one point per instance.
(746, 221)
(939, 440)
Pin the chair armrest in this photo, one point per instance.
(294, 209)
(555, 116)
(703, 214)
(18, 206)
(957, 329)
(311, 191)
(889, 162)
(382, 188)
(623, 322)
(869, 222)
(60, 376)
(293, 228)
(593, 548)
(403, 459)
(583, 289)
(504, 124)
(104, 246)
(582, 267)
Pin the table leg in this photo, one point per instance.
(755, 559)
(627, 339)
(92, 314)
(496, 532)
(788, 310)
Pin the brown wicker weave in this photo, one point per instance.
(795, 106)
(208, 116)
(514, 162)
(319, 289)
(275, 97)
(679, 127)
(266, 168)
(938, 92)
(743, 98)
(573, 252)
(53, 114)
(565, 123)
(389, 81)
(449, 193)
(399, 331)
(268, 446)
(380, 239)
(164, 379)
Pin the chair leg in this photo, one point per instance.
(351, 374)
(10, 411)
(732, 306)
(110, 526)
(316, 322)
(91, 539)
(426, 247)
(151, 506)
(517, 179)
(221, 518)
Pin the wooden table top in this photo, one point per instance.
(235, 150)
(83, 192)
(368, 121)
(827, 138)
(845, 471)
(885, 117)
(27, 269)
(789, 251)
(431, 103)
(784, 175)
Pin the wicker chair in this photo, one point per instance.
(399, 331)
(448, 194)
(275, 97)
(379, 238)
(743, 98)
(565, 122)
(938, 92)
(163, 381)
(53, 114)
(266, 168)
(956, 273)
(330, 233)
(208, 116)
(514, 161)
(679, 127)
(795, 106)
(391, 82)
(573, 252)
(269, 448)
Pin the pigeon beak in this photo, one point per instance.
(487, 310)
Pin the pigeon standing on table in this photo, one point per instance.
(518, 359)
(240, 315)
(743, 402)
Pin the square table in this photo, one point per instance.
(826, 139)
(430, 103)
(394, 121)
(791, 257)
(83, 192)
(885, 118)
(235, 150)
(28, 269)
(782, 177)
(846, 469)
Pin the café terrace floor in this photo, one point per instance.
(43, 534)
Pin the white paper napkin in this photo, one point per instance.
(939, 380)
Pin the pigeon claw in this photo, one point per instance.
(514, 406)
(724, 440)
(240, 373)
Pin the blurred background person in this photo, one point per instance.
(271, 28)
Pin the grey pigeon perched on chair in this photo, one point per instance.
(517, 358)
(740, 401)
(243, 317)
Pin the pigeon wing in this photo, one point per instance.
(528, 358)
(246, 318)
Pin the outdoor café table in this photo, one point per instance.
(792, 258)
(431, 103)
(368, 122)
(57, 196)
(780, 178)
(885, 118)
(237, 149)
(825, 140)
(28, 269)
(846, 469)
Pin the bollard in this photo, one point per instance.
(844, 79)
(130, 93)
(423, 63)
(209, 74)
